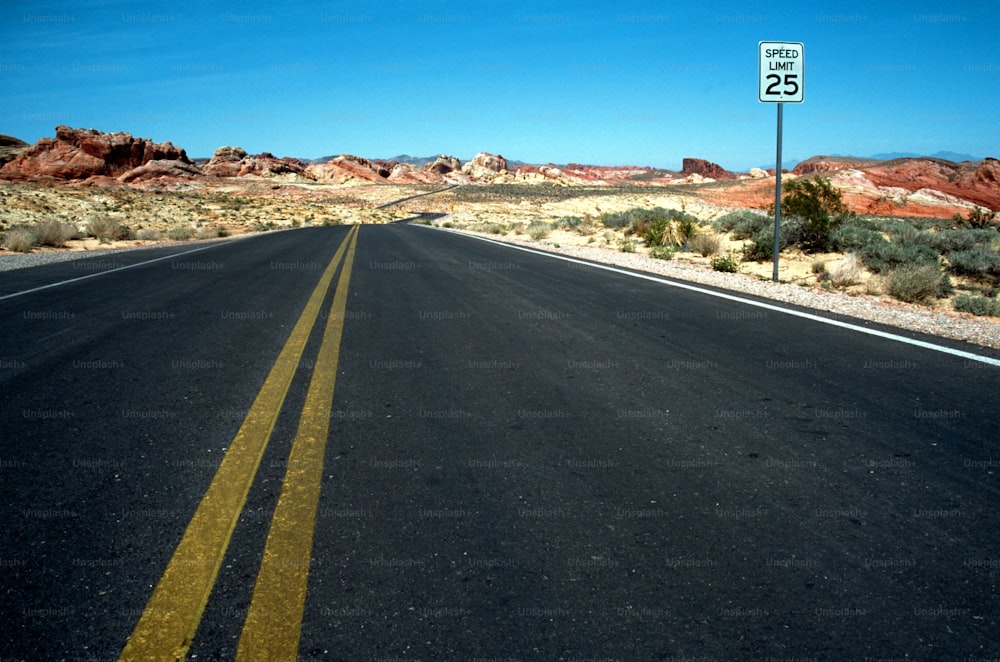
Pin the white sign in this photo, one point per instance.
(781, 72)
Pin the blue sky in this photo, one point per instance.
(631, 82)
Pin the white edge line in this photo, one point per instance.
(732, 297)
(108, 271)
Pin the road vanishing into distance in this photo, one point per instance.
(401, 443)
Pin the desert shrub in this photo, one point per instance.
(663, 252)
(916, 283)
(843, 272)
(977, 305)
(53, 233)
(626, 246)
(705, 244)
(106, 229)
(742, 217)
(640, 221)
(977, 218)
(729, 263)
(207, 232)
(618, 219)
(761, 246)
(750, 225)
(948, 241)
(495, 228)
(820, 207)
(539, 230)
(149, 234)
(569, 223)
(886, 256)
(180, 234)
(978, 262)
(853, 237)
(674, 230)
(19, 240)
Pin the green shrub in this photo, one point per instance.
(569, 223)
(626, 246)
(675, 230)
(728, 263)
(743, 217)
(853, 237)
(886, 256)
(19, 240)
(751, 225)
(978, 262)
(978, 218)
(949, 241)
(538, 230)
(106, 229)
(977, 305)
(663, 252)
(761, 246)
(820, 207)
(617, 220)
(917, 283)
(54, 233)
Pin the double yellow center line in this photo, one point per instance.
(167, 627)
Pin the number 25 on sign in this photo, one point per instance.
(780, 72)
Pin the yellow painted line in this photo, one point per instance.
(171, 617)
(274, 619)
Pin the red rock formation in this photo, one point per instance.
(234, 162)
(831, 163)
(706, 169)
(347, 168)
(977, 183)
(10, 147)
(76, 154)
(161, 169)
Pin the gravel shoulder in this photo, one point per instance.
(945, 324)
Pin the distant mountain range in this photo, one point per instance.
(789, 164)
(947, 156)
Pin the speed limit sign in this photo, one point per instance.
(781, 72)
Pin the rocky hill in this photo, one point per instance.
(924, 186)
(82, 154)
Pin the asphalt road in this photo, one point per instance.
(524, 458)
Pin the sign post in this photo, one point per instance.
(780, 76)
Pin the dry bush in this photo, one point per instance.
(105, 229)
(705, 244)
(149, 234)
(54, 233)
(916, 284)
(19, 240)
(844, 272)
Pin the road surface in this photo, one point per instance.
(395, 442)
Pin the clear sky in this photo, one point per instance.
(632, 82)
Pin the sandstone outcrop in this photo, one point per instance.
(77, 154)
(485, 166)
(10, 147)
(235, 162)
(706, 169)
(162, 169)
(444, 165)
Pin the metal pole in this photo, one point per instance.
(777, 199)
